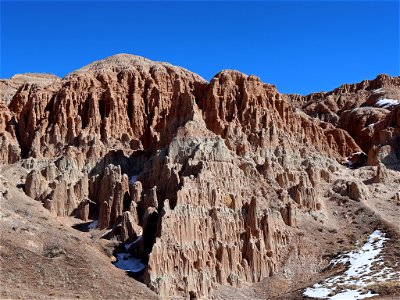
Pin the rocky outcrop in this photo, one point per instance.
(360, 122)
(129, 227)
(123, 102)
(219, 230)
(4, 194)
(329, 106)
(9, 148)
(396, 197)
(381, 175)
(10, 87)
(111, 192)
(357, 160)
(356, 108)
(305, 195)
(252, 115)
(35, 184)
(59, 184)
(355, 190)
(386, 141)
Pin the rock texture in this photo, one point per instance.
(123, 102)
(22, 82)
(252, 116)
(218, 229)
(386, 141)
(10, 150)
(212, 180)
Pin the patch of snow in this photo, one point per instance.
(349, 164)
(351, 294)
(139, 238)
(377, 91)
(349, 161)
(127, 246)
(359, 274)
(317, 292)
(387, 103)
(361, 261)
(93, 224)
(133, 179)
(125, 261)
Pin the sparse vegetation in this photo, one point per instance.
(110, 246)
(22, 212)
(386, 288)
(52, 251)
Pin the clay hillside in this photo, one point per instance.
(130, 178)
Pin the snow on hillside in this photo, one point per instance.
(387, 103)
(365, 267)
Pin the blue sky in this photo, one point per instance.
(300, 46)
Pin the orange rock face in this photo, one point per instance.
(251, 115)
(9, 148)
(123, 102)
(357, 108)
(211, 179)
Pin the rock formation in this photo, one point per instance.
(385, 145)
(10, 150)
(214, 177)
(20, 84)
(124, 102)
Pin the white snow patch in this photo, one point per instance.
(133, 179)
(93, 224)
(359, 273)
(127, 246)
(386, 103)
(127, 262)
(139, 238)
(377, 91)
(317, 292)
(351, 294)
(349, 164)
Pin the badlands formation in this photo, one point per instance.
(220, 189)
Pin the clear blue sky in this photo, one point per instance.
(300, 46)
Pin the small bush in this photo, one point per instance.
(22, 212)
(52, 251)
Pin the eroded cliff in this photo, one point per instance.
(213, 179)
